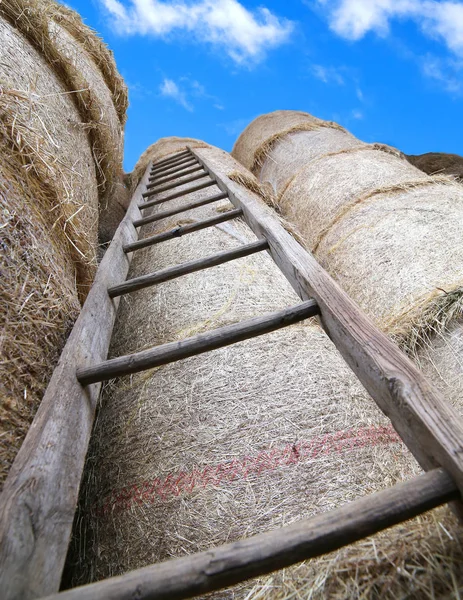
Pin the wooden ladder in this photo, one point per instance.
(41, 492)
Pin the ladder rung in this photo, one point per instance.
(204, 342)
(138, 283)
(195, 188)
(175, 211)
(222, 566)
(156, 181)
(174, 170)
(176, 163)
(172, 158)
(181, 164)
(182, 230)
(171, 186)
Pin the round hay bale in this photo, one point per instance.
(265, 131)
(438, 163)
(87, 70)
(237, 441)
(387, 232)
(50, 196)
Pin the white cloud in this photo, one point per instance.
(352, 19)
(245, 35)
(357, 114)
(170, 89)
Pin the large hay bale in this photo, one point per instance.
(438, 163)
(387, 232)
(50, 193)
(241, 440)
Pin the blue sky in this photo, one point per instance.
(390, 71)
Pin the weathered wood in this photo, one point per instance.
(192, 205)
(172, 158)
(429, 426)
(175, 163)
(155, 181)
(172, 185)
(195, 188)
(220, 258)
(40, 494)
(182, 230)
(198, 344)
(233, 563)
(170, 170)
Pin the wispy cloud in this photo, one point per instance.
(445, 72)
(327, 74)
(246, 35)
(170, 89)
(442, 21)
(185, 91)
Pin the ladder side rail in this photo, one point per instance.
(40, 494)
(233, 563)
(429, 426)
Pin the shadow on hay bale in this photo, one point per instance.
(243, 439)
(387, 232)
(62, 111)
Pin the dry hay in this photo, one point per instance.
(38, 292)
(99, 98)
(387, 232)
(161, 150)
(438, 163)
(238, 441)
(49, 180)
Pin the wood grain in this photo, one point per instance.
(261, 554)
(40, 494)
(429, 426)
(198, 344)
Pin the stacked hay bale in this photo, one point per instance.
(62, 110)
(387, 232)
(241, 440)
